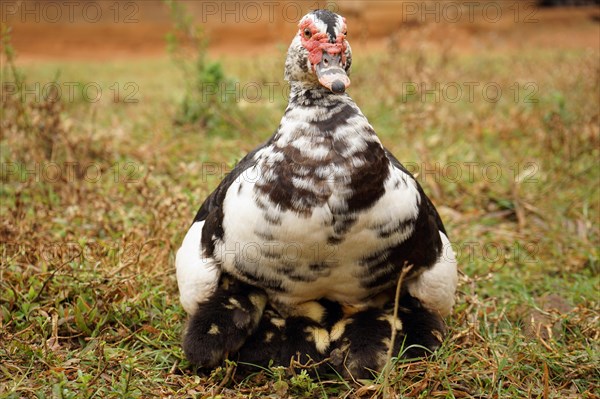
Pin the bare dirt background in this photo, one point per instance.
(105, 30)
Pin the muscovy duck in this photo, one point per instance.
(299, 250)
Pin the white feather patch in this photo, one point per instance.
(301, 240)
(436, 287)
(197, 275)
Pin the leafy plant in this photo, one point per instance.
(207, 100)
(302, 384)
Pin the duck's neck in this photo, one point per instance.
(315, 114)
(311, 95)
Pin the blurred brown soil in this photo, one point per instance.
(369, 28)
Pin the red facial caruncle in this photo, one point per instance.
(318, 42)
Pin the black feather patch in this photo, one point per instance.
(368, 182)
(329, 19)
(279, 341)
(223, 323)
(361, 342)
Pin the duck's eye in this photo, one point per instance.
(307, 33)
(345, 33)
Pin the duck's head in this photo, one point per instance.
(319, 54)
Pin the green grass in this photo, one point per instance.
(89, 304)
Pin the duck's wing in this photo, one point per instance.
(429, 250)
(428, 205)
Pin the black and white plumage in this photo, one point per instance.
(320, 213)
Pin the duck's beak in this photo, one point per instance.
(331, 73)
